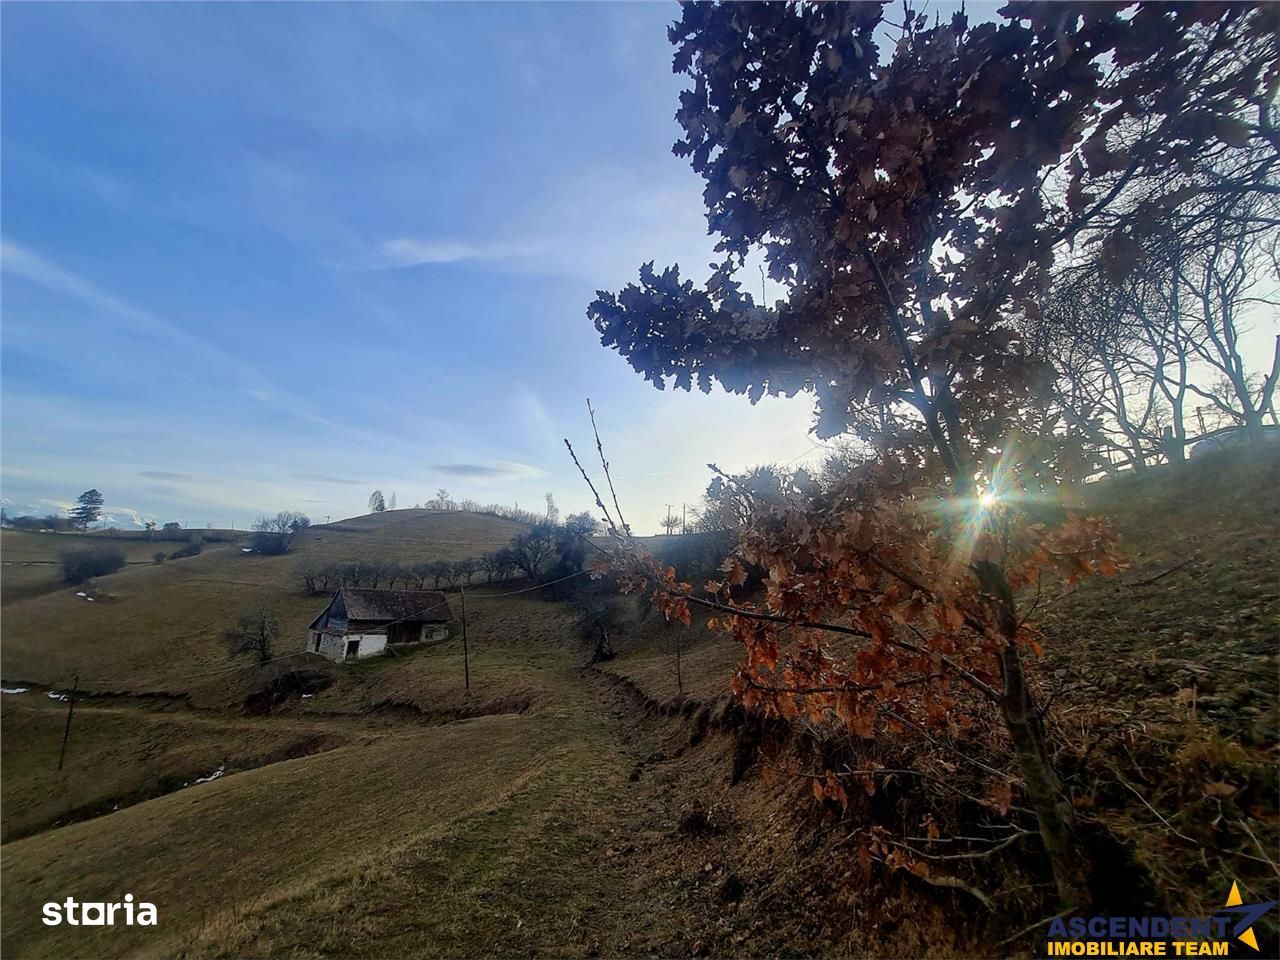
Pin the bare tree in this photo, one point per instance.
(531, 551)
(419, 573)
(308, 573)
(489, 564)
(466, 569)
(440, 570)
(1220, 281)
(376, 502)
(275, 535)
(1143, 336)
(253, 634)
(328, 577)
(396, 573)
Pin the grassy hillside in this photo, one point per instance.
(31, 560)
(1163, 693)
(408, 536)
(159, 627)
(124, 753)
(556, 810)
(478, 818)
(1198, 603)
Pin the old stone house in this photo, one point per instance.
(361, 623)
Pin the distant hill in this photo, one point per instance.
(162, 622)
(408, 536)
(559, 796)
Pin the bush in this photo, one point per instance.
(273, 536)
(158, 557)
(269, 544)
(97, 561)
(192, 549)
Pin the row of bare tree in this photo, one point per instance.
(319, 577)
(1147, 335)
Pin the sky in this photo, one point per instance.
(263, 257)
(260, 257)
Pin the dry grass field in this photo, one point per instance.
(545, 811)
(407, 536)
(394, 802)
(158, 628)
(31, 560)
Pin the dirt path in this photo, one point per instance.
(515, 835)
(552, 869)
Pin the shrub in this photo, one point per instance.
(192, 549)
(97, 561)
(273, 536)
(269, 544)
(158, 557)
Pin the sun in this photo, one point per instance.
(988, 500)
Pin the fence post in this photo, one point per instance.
(66, 733)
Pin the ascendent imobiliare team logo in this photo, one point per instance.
(1156, 936)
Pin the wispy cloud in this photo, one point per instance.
(497, 470)
(323, 478)
(412, 252)
(169, 475)
(19, 261)
(30, 266)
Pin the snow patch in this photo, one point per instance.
(14, 689)
(246, 549)
(213, 776)
(55, 695)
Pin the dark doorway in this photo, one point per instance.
(353, 650)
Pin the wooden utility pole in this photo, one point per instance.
(466, 655)
(66, 733)
(684, 518)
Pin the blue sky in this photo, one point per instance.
(260, 257)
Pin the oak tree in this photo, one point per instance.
(910, 202)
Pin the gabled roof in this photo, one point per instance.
(429, 606)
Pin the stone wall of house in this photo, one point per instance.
(334, 646)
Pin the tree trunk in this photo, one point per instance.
(1052, 807)
(1044, 789)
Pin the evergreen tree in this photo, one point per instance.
(88, 508)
